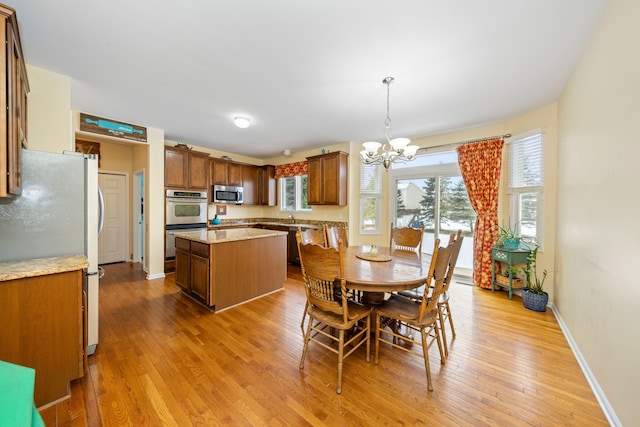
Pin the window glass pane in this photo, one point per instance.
(289, 193)
(456, 212)
(415, 202)
(429, 160)
(369, 213)
(528, 214)
(303, 193)
(370, 179)
(526, 168)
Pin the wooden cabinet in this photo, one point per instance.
(267, 186)
(13, 105)
(41, 326)
(221, 275)
(250, 185)
(192, 269)
(327, 179)
(225, 172)
(186, 169)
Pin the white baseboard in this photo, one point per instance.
(155, 276)
(591, 379)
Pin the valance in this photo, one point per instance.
(291, 169)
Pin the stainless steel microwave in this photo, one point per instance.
(227, 194)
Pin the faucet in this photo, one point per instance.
(293, 220)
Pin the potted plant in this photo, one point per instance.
(508, 237)
(533, 296)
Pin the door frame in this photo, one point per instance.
(139, 229)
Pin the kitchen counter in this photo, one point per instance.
(228, 235)
(42, 266)
(251, 224)
(224, 268)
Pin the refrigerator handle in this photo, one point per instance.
(101, 208)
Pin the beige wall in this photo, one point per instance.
(597, 249)
(49, 104)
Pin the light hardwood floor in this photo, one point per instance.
(164, 360)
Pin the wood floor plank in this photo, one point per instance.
(165, 360)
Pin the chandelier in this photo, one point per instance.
(393, 150)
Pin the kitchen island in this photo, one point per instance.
(224, 268)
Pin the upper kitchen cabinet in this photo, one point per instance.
(186, 169)
(267, 188)
(250, 176)
(259, 185)
(13, 105)
(226, 172)
(327, 179)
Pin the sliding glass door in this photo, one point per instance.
(430, 191)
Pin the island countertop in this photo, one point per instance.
(39, 267)
(228, 235)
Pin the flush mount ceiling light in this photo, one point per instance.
(241, 122)
(393, 150)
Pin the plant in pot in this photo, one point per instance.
(533, 296)
(508, 237)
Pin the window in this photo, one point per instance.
(526, 183)
(293, 193)
(370, 198)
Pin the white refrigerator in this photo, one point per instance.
(60, 212)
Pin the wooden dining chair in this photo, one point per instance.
(419, 316)
(317, 237)
(335, 233)
(444, 310)
(329, 309)
(406, 238)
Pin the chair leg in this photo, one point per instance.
(425, 351)
(340, 359)
(307, 336)
(453, 330)
(375, 357)
(439, 341)
(368, 337)
(304, 315)
(442, 331)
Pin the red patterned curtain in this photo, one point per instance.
(291, 169)
(480, 165)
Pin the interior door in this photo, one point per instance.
(112, 244)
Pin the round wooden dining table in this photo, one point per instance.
(377, 275)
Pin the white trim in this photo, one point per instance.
(155, 276)
(591, 379)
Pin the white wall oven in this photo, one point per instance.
(186, 211)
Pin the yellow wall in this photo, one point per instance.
(49, 104)
(597, 249)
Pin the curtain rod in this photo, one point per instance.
(470, 141)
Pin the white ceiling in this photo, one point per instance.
(307, 73)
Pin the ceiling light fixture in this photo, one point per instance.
(241, 122)
(393, 150)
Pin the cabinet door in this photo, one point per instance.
(234, 176)
(219, 170)
(314, 181)
(327, 174)
(15, 98)
(267, 186)
(250, 184)
(176, 165)
(200, 277)
(183, 269)
(198, 171)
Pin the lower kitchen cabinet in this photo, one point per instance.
(41, 327)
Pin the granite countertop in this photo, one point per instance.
(42, 266)
(227, 225)
(228, 235)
